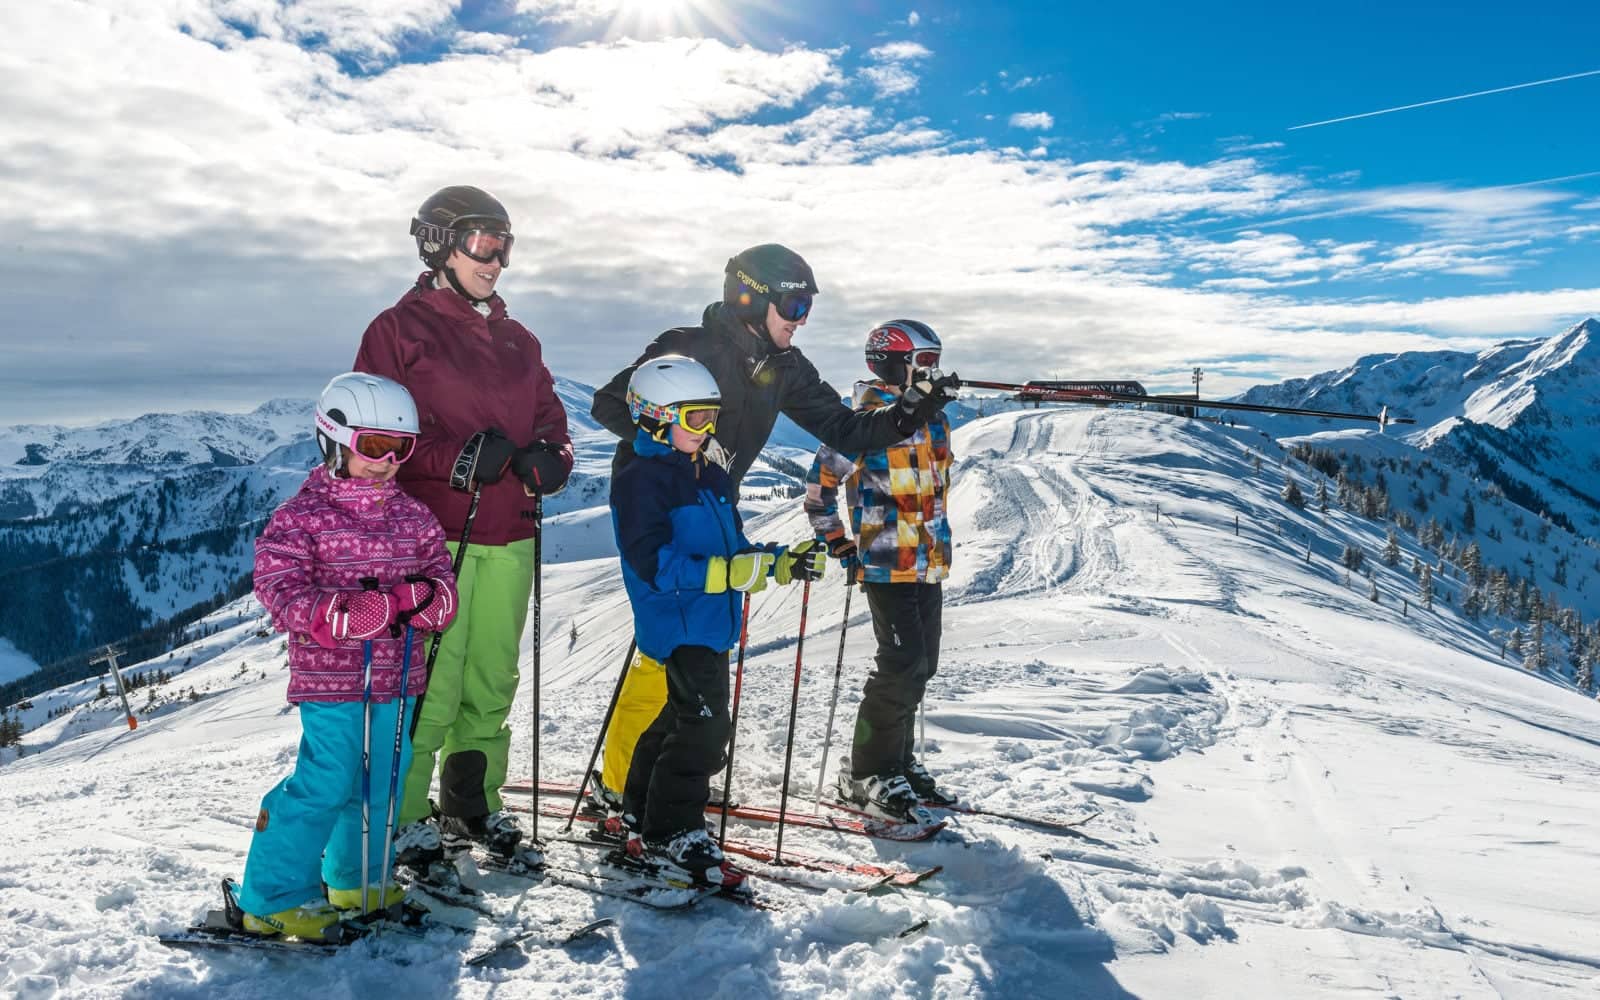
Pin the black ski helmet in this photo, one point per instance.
(764, 274)
(449, 211)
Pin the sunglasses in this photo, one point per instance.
(793, 306)
(484, 245)
(382, 446)
(698, 418)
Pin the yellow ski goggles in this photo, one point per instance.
(697, 418)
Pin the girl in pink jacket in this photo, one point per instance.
(351, 567)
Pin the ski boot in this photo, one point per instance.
(313, 920)
(885, 796)
(600, 799)
(417, 845)
(350, 899)
(498, 833)
(926, 788)
(691, 856)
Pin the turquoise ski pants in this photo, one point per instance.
(309, 828)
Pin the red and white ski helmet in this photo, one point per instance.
(899, 346)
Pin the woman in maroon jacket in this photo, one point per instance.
(472, 370)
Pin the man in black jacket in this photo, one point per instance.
(747, 343)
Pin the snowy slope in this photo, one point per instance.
(1305, 793)
(1523, 414)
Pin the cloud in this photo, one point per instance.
(1037, 120)
(899, 52)
(893, 76)
(913, 19)
(1235, 148)
(1024, 82)
(241, 202)
(369, 29)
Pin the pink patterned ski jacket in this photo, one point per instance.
(327, 539)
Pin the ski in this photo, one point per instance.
(784, 873)
(640, 868)
(876, 825)
(653, 895)
(205, 937)
(891, 876)
(223, 930)
(516, 941)
(1044, 822)
(858, 822)
(453, 895)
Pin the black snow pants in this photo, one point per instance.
(906, 618)
(669, 779)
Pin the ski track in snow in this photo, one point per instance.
(1290, 805)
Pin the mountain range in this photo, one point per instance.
(131, 530)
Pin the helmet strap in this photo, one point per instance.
(450, 276)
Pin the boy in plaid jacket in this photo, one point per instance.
(900, 553)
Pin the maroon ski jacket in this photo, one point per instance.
(467, 372)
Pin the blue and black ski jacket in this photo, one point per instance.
(672, 512)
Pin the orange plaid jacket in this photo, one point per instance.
(896, 497)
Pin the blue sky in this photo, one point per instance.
(1103, 191)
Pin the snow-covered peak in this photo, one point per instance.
(191, 437)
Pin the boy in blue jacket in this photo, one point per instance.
(686, 565)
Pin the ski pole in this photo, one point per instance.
(922, 733)
(838, 671)
(455, 571)
(394, 770)
(733, 724)
(794, 709)
(366, 768)
(594, 755)
(538, 604)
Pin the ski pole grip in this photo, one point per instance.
(463, 472)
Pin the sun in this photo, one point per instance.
(646, 19)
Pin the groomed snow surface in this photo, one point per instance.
(1303, 793)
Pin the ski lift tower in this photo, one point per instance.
(108, 656)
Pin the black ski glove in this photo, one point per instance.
(542, 467)
(929, 391)
(494, 453)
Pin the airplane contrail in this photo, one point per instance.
(1446, 100)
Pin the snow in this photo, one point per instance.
(1303, 793)
(14, 662)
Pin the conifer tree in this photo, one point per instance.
(1533, 657)
(1391, 549)
(1425, 587)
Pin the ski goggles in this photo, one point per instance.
(484, 245)
(793, 306)
(925, 359)
(697, 418)
(374, 446)
(382, 446)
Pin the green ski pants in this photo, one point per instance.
(472, 687)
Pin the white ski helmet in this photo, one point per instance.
(661, 387)
(357, 400)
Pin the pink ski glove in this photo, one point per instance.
(363, 614)
(432, 603)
